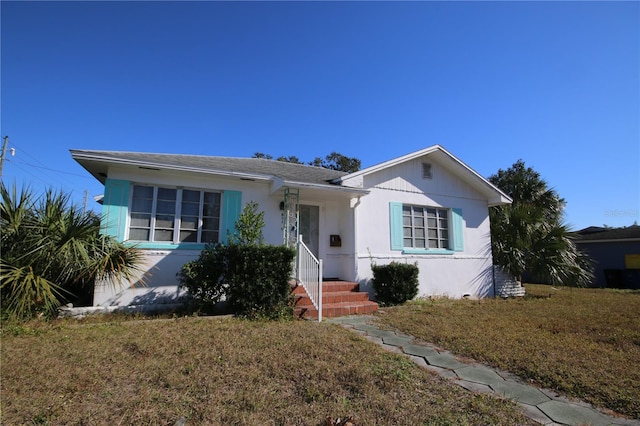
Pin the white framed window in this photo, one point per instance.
(416, 229)
(425, 227)
(174, 215)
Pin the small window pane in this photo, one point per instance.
(419, 233)
(406, 232)
(166, 194)
(189, 222)
(141, 205)
(212, 210)
(211, 198)
(433, 233)
(418, 221)
(211, 224)
(166, 207)
(433, 243)
(192, 196)
(163, 235)
(406, 221)
(407, 242)
(164, 221)
(209, 236)
(140, 220)
(189, 236)
(142, 191)
(139, 234)
(432, 222)
(190, 209)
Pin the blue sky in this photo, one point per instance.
(556, 84)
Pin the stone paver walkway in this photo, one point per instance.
(544, 406)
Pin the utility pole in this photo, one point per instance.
(86, 199)
(4, 153)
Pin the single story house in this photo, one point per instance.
(615, 253)
(426, 207)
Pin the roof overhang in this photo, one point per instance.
(281, 184)
(98, 166)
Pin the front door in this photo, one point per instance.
(310, 227)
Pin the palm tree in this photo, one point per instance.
(529, 236)
(51, 249)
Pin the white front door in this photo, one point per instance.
(310, 227)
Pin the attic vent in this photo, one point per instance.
(426, 171)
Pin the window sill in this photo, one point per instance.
(426, 251)
(165, 246)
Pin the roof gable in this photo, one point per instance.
(444, 158)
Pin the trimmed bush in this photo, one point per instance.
(258, 279)
(251, 276)
(205, 277)
(253, 279)
(395, 283)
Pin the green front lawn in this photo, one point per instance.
(222, 371)
(582, 342)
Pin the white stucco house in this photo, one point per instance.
(427, 207)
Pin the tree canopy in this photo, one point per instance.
(333, 161)
(529, 236)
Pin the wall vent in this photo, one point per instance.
(426, 171)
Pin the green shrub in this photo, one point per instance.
(205, 277)
(251, 276)
(395, 283)
(258, 279)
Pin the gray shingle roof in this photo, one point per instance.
(252, 166)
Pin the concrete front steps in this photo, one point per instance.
(339, 298)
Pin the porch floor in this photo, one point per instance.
(339, 298)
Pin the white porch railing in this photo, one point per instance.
(309, 275)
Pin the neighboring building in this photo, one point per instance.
(616, 254)
(427, 207)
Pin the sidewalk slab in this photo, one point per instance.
(535, 414)
(570, 414)
(396, 340)
(445, 360)
(519, 392)
(419, 350)
(479, 374)
(474, 387)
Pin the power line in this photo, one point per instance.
(54, 170)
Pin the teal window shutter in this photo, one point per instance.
(395, 225)
(458, 229)
(115, 208)
(231, 209)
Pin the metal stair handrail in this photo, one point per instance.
(309, 275)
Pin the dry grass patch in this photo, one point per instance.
(582, 342)
(222, 371)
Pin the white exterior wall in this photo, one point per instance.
(160, 283)
(449, 275)
(338, 220)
